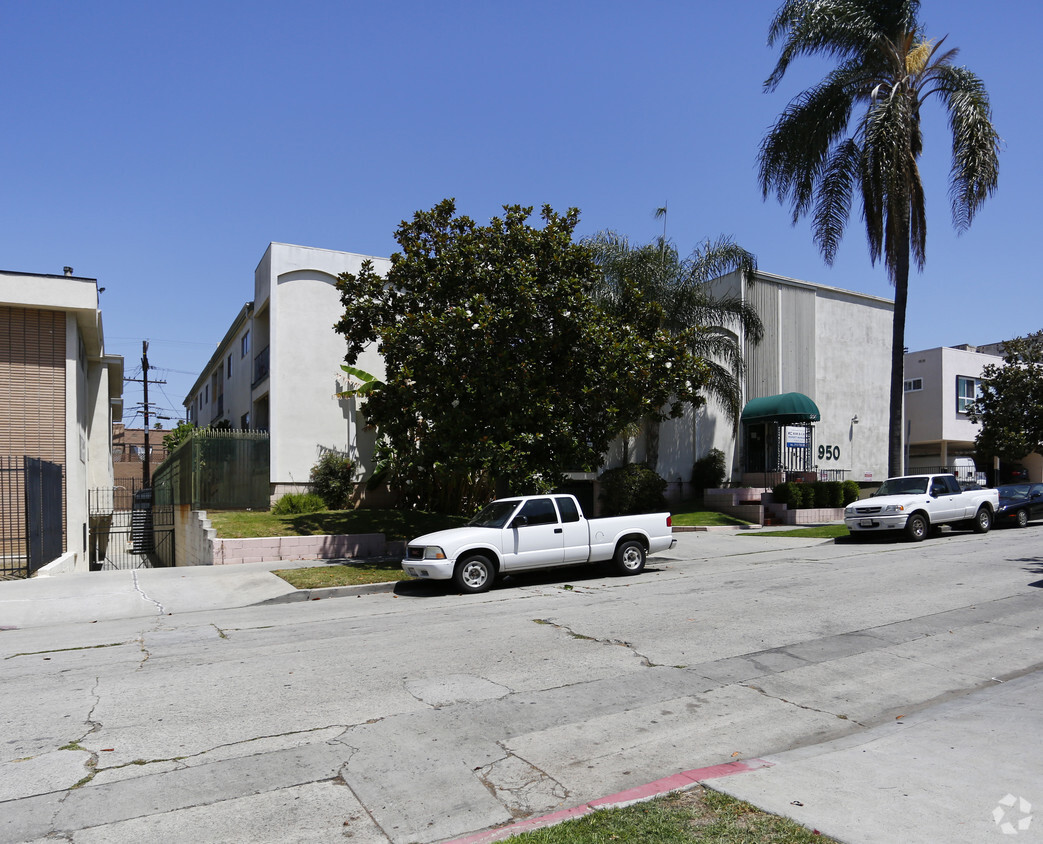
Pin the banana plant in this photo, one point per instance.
(369, 383)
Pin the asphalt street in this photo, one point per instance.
(875, 692)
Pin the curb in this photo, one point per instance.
(298, 595)
(639, 794)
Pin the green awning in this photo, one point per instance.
(785, 409)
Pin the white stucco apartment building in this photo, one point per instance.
(940, 385)
(60, 391)
(822, 344)
(278, 368)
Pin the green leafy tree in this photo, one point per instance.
(859, 132)
(178, 435)
(681, 293)
(1010, 408)
(500, 364)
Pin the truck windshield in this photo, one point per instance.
(903, 486)
(494, 515)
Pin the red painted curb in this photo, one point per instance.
(677, 782)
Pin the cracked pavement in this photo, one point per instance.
(420, 715)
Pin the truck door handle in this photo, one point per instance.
(557, 530)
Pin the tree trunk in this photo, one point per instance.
(895, 463)
(652, 443)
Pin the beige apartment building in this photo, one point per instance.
(60, 390)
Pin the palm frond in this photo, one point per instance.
(834, 197)
(843, 29)
(975, 142)
(795, 151)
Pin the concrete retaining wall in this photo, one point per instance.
(273, 548)
(65, 564)
(199, 545)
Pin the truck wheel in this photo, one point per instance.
(1022, 519)
(629, 558)
(983, 520)
(916, 528)
(474, 574)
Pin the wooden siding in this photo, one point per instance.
(32, 383)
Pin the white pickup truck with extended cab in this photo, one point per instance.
(917, 503)
(533, 532)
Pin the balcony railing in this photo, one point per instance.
(260, 367)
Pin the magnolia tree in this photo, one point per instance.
(1010, 407)
(501, 366)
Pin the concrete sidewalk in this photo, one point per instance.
(136, 593)
(965, 771)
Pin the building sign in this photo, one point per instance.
(796, 436)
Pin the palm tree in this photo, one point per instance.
(685, 301)
(859, 129)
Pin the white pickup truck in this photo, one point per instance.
(533, 532)
(917, 503)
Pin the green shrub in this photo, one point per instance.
(822, 494)
(816, 494)
(783, 494)
(708, 472)
(333, 479)
(298, 502)
(804, 496)
(632, 489)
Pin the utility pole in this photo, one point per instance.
(144, 380)
(146, 463)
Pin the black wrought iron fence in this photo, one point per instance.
(32, 523)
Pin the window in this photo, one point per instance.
(244, 422)
(244, 345)
(540, 511)
(967, 391)
(206, 394)
(568, 510)
(914, 385)
(228, 369)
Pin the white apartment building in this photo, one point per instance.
(940, 385)
(816, 389)
(278, 366)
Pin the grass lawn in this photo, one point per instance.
(394, 524)
(819, 532)
(320, 577)
(696, 815)
(691, 514)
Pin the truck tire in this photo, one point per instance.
(629, 558)
(917, 528)
(983, 520)
(474, 574)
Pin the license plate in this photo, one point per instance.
(866, 523)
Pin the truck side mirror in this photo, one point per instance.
(520, 521)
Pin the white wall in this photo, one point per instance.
(852, 378)
(305, 359)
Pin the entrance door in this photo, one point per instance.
(756, 447)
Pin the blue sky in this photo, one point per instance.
(159, 147)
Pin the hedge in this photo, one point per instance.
(816, 494)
